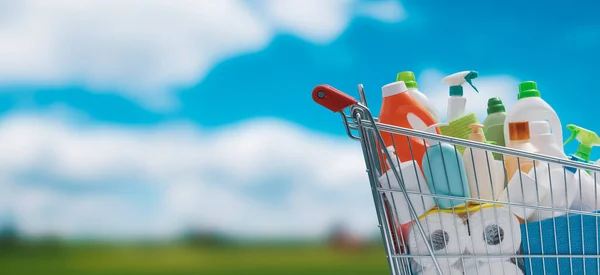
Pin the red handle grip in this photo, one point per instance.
(332, 98)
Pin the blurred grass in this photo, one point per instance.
(91, 259)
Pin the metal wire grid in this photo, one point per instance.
(362, 126)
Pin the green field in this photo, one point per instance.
(185, 259)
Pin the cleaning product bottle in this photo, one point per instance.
(399, 108)
(565, 181)
(456, 101)
(519, 139)
(587, 140)
(493, 125)
(480, 168)
(499, 168)
(545, 144)
(544, 141)
(588, 192)
(531, 107)
(445, 172)
(413, 89)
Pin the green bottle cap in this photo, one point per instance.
(587, 139)
(584, 151)
(495, 106)
(456, 90)
(528, 89)
(409, 79)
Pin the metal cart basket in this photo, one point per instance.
(566, 241)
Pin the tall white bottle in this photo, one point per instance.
(413, 89)
(481, 169)
(456, 102)
(531, 107)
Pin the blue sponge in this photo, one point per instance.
(539, 238)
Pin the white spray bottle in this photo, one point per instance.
(456, 101)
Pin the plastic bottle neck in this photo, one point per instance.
(476, 132)
(456, 91)
(528, 89)
(502, 114)
(530, 98)
(494, 106)
(574, 157)
(583, 151)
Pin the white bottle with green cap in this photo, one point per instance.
(531, 107)
(456, 102)
(413, 89)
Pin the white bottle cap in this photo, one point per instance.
(538, 128)
(392, 151)
(394, 88)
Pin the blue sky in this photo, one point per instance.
(173, 110)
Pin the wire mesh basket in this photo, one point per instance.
(527, 217)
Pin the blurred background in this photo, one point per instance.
(179, 137)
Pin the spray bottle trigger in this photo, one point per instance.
(471, 75)
(573, 135)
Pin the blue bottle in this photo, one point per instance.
(445, 172)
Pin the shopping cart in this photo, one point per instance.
(566, 243)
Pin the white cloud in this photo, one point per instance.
(503, 86)
(386, 11)
(258, 178)
(145, 50)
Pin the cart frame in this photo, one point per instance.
(362, 126)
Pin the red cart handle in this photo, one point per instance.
(332, 98)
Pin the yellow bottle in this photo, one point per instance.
(519, 139)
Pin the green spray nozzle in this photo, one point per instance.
(586, 138)
(458, 79)
(469, 77)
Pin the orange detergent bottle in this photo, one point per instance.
(400, 109)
